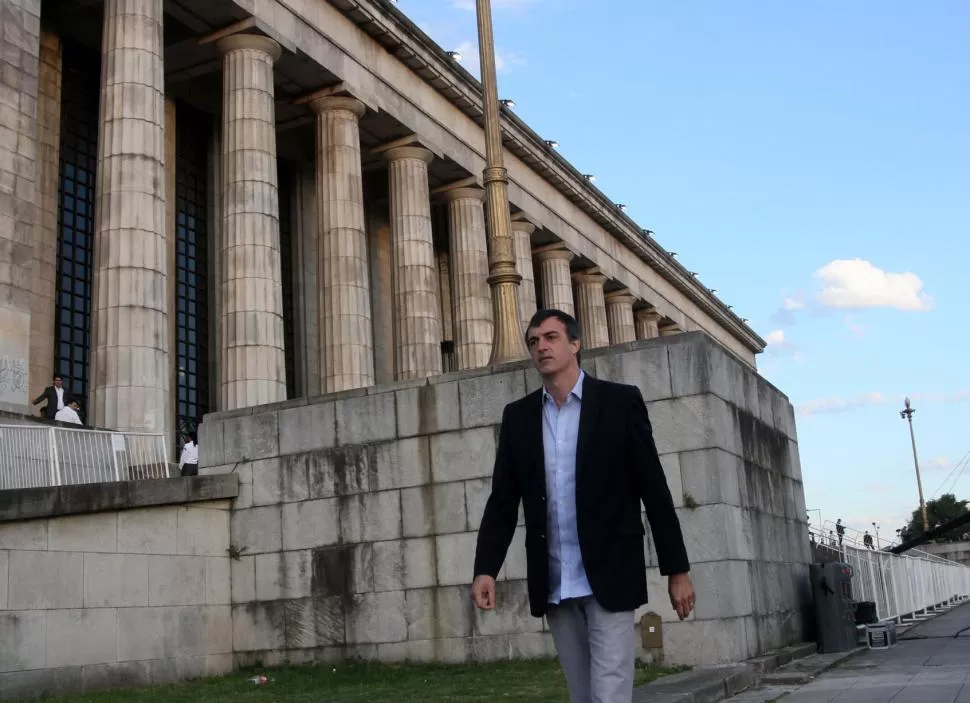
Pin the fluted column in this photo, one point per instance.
(591, 307)
(346, 344)
(251, 338)
(646, 320)
(619, 317)
(418, 345)
(556, 286)
(130, 371)
(471, 299)
(522, 242)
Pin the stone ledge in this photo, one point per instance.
(34, 503)
(717, 683)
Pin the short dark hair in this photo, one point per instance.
(192, 438)
(573, 333)
(57, 376)
(572, 326)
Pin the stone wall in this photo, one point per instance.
(954, 551)
(358, 512)
(111, 597)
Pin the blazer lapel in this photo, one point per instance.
(588, 416)
(533, 437)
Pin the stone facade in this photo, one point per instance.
(344, 299)
(20, 52)
(114, 599)
(359, 513)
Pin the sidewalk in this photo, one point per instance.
(930, 664)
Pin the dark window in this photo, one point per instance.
(75, 216)
(191, 268)
(287, 182)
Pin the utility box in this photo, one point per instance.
(651, 631)
(834, 607)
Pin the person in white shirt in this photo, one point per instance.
(69, 413)
(189, 461)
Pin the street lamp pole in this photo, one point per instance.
(876, 528)
(507, 343)
(907, 414)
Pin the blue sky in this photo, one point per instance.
(812, 161)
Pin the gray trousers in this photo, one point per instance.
(596, 649)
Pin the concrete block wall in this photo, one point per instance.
(114, 599)
(358, 513)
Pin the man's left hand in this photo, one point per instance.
(681, 594)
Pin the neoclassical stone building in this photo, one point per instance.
(212, 205)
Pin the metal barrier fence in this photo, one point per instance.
(39, 456)
(899, 584)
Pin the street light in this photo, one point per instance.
(503, 279)
(876, 528)
(907, 414)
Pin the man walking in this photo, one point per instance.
(580, 456)
(54, 395)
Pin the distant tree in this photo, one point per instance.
(938, 511)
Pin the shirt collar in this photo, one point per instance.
(576, 391)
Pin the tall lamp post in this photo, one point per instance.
(507, 344)
(907, 414)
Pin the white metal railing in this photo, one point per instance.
(33, 456)
(899, 584)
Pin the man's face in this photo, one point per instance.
(550, 348)
(58, 383)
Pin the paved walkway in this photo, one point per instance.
(930, 664)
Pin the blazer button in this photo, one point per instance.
(542, 536)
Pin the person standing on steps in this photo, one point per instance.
(579, 454)
(189, 461)
(55, 396)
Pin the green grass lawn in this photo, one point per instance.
(532, 681)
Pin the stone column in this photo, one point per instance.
(19, 48)
(647, 320)
(251, 339)
(471, 299)
(591, 308)
(522, 242)
(130, 352)
(418, 345)
(556, 287)
(619, 317)
(346, 336)
(45, 227)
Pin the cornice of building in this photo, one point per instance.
(405, 40)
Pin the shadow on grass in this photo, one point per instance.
(539, 681)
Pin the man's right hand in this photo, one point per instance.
(483, 592)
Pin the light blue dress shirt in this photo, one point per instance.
(560, 432)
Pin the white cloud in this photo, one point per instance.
(939, 462)
(856, 283)
(835, 404)
(792, 304)
(471, 59)
(776, 337)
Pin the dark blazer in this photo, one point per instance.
(50, 395)
(617, 467)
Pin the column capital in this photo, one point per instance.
(623, 296)
(648, 313)
(332, 103)
(464, 193)
(591, 276)
(253, 42)
(409, 147)
(523, 226)
(552, 251)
